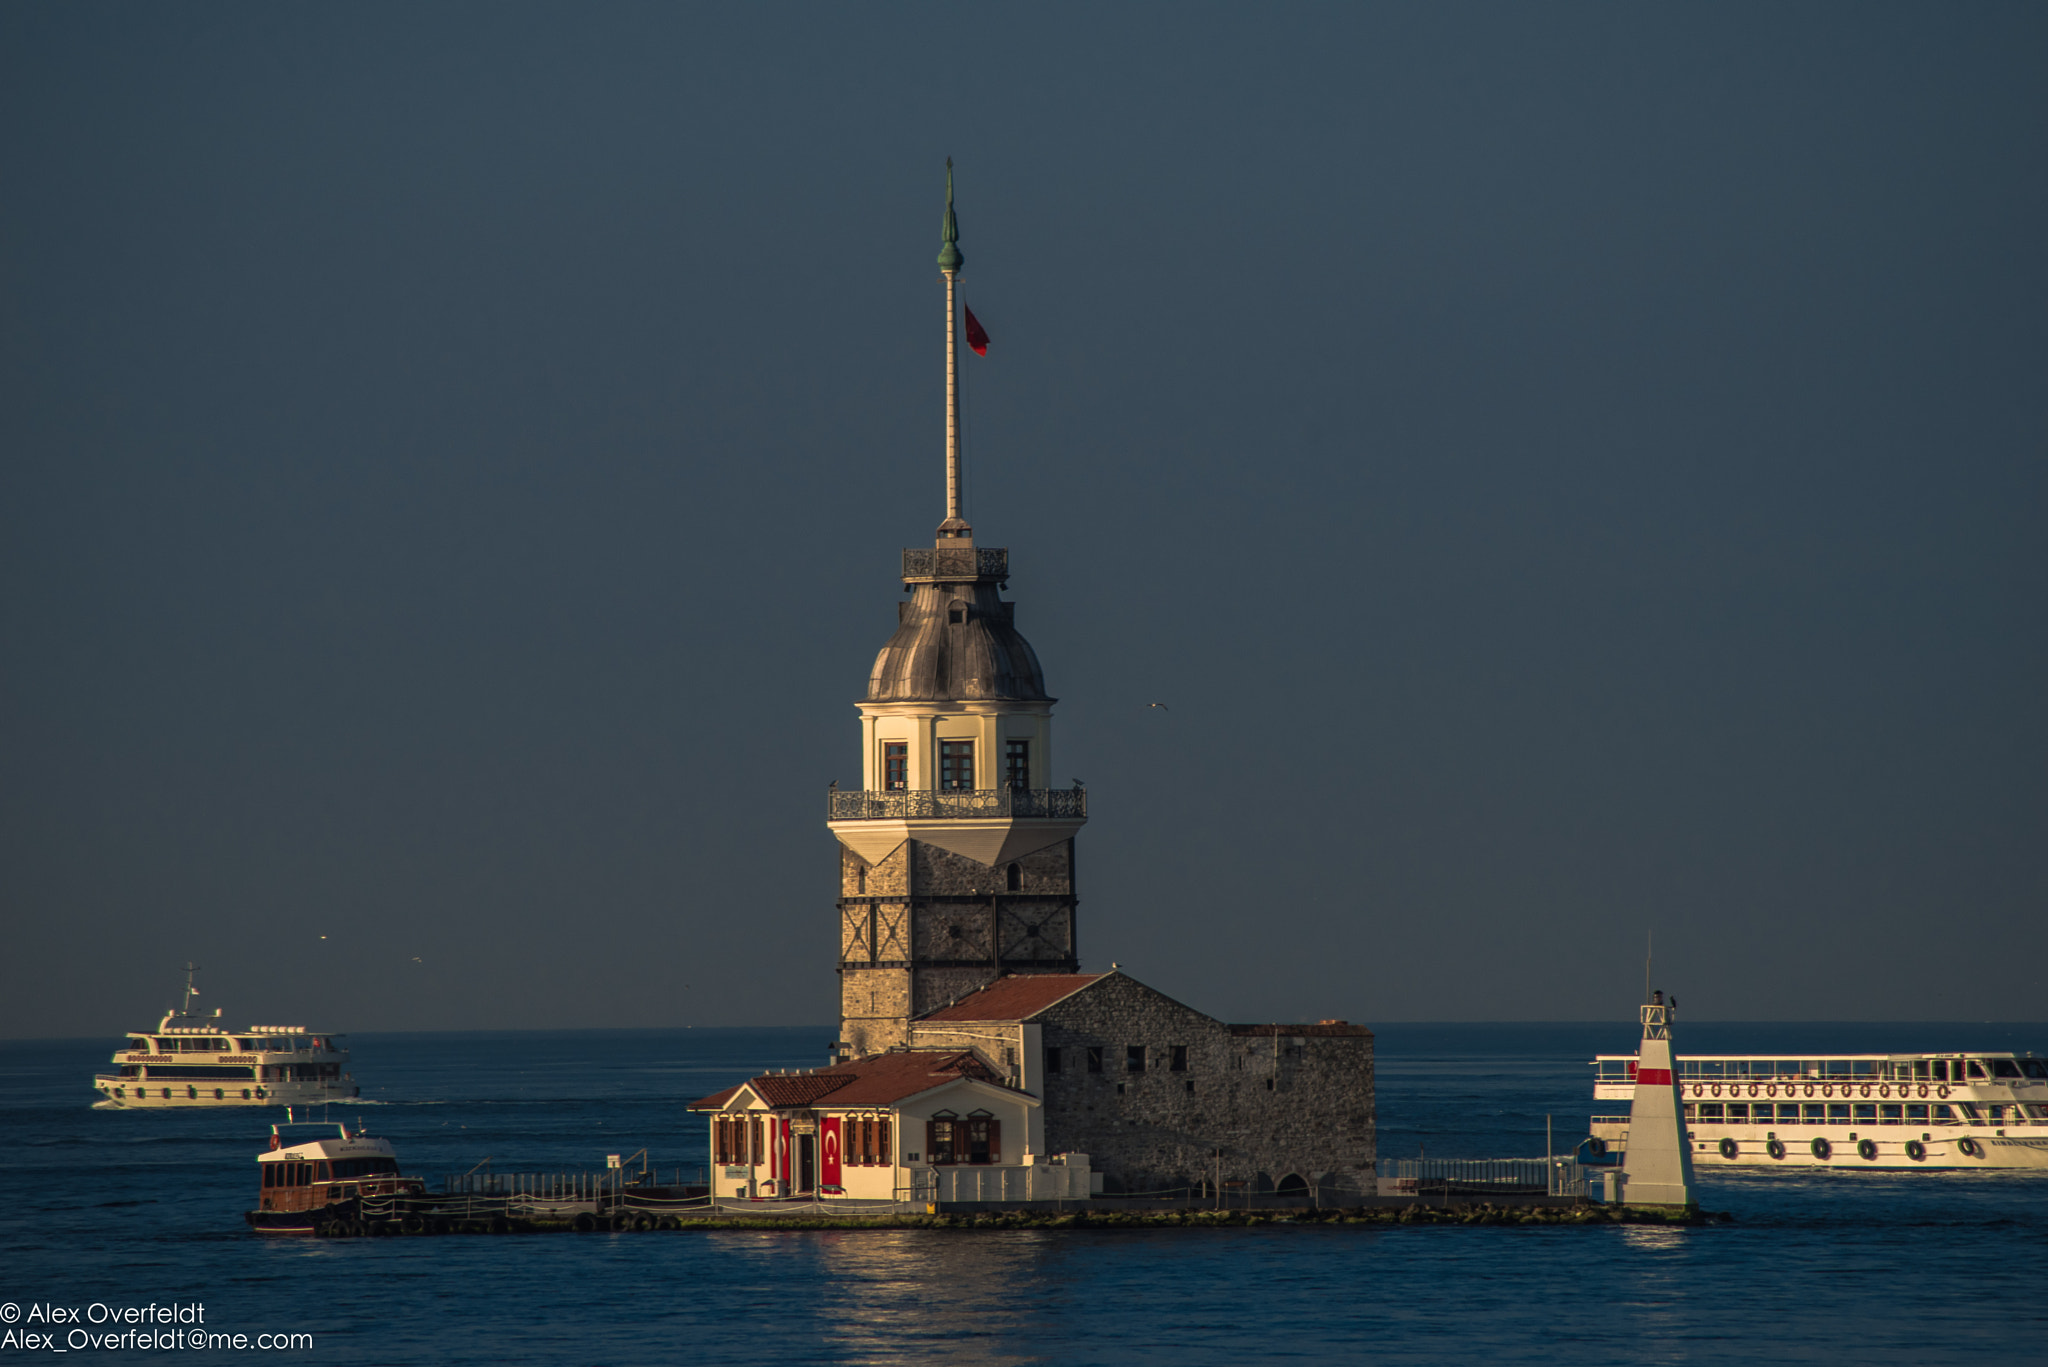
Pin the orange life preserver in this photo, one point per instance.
(1923, 1089)
(275, 1142)
(1866, 1089)
(1942, 1092)
(1809, 1089)
(1752, 1089)
(1717, 1089)
(1884, 1089)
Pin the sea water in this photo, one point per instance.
(130, 1208)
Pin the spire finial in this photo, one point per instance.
(950, 259)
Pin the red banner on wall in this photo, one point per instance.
(828, 1151)
(782, 1156)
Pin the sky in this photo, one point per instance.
(1573, 472)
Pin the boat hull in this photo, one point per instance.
(274, 1094)
(1838, 1149)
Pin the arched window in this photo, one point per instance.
(1292, 1185)
(1014, 878)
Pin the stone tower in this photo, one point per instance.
(956, 860)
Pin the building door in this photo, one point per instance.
(807, 1163)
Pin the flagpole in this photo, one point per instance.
(950, 261)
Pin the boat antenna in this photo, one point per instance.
(190, 990)
(1649, 953)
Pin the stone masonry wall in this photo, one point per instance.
(1275, 1104)
(906, 946)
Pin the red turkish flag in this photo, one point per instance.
(976, 336)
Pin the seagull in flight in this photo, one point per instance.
(1160, 705)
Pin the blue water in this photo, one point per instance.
(129, 1208)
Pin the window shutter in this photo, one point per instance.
(995, 1140)
(883, 1154)
(717, 1139)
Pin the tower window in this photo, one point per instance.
(956, 613)
(1134, 1059)
(896, 765)
(1094, 1058)
(1052, 1058)
(1017, 763)
(1180, 1058)
(956, 764)
(1013, 878)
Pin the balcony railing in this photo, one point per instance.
(918, 804)
(956, 562)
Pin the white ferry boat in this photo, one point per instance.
(191, 1060)
(1968, 1110)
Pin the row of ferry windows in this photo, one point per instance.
(191, 1093)
(201, 1044)
(956, 765)
(1860, 1069)
(340, 1170)
(1859, 1113)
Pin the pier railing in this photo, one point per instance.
(1480, 1176)
(954, 804)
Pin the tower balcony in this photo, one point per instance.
(990, 825)
(956, 804)
(955, 564)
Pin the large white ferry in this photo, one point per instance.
(1967, 1110)
(191, 1060)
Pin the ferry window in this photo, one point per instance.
(1969, 1112)
(1738, 1113)
(1941, 1070)
(2004, 1067)
(1838, 1113)
(1688, 1113)
(1976, 1069)
(956, 765)
(269, 1171)
(2034, 1067)
(1052, 1058)
(1864, 1113)
(141, 1044)
(1944, 1115)
(1813, 1113)
(1710, 1113)
(2033, 1112)
(1916, 1115)
(1889, 1115)
(896, 764)
(1094, 1058)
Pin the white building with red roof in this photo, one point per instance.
(909, 1125)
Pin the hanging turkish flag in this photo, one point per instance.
(828, 1155)
(976, 336)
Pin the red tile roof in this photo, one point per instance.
(716, 1101)
(879, 1080)
(1016, 997)
(889, 1078)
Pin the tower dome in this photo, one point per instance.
(956, 641)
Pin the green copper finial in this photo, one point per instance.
(949, 236)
